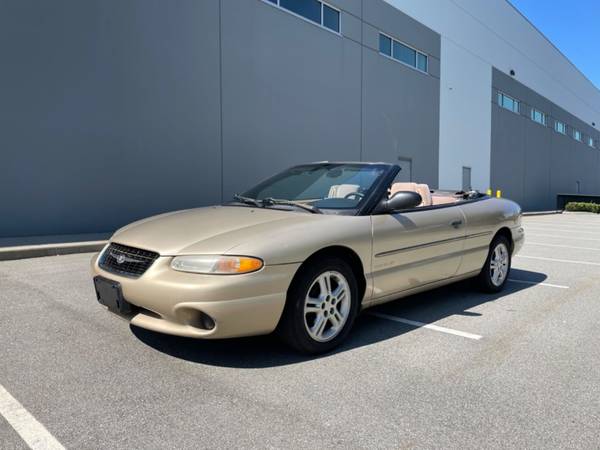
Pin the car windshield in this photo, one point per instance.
(320, 186)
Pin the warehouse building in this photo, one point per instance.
(115, 110)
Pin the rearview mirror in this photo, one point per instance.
(399, 201)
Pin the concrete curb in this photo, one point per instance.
(35, 251)
(542, 213)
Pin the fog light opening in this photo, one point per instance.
(207, 322)
(202, 320)
(195, 318)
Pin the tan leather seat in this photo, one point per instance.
(397, 187)
(425, 192)
(421, 189)
(443, 199)
(341, 190)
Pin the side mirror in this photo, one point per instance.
(399, 201)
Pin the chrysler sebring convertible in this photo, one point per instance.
(302, 253)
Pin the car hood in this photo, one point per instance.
(212, 230)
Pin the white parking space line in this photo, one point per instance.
(585, 263)
(562, 220)
(31, 431)
(587, 223)
(558, 286)
(589, 226)
(429, 326)
(557, 236)
(561, 225)
(562, 230)
(562, 246)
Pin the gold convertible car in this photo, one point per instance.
(302, 253)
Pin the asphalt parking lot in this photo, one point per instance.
(520, 369)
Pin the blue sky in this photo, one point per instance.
(572, 26)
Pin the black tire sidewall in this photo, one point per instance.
(292, 326)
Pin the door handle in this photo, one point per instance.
(456, 223)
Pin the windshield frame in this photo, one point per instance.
(372, 195)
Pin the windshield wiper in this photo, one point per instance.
(247, 200)
(277, 201)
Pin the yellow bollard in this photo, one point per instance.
(498, 193)
(489, 192)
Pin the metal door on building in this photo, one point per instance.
(466, 179)
(405, 175)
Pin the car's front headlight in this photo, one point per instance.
(216, 264)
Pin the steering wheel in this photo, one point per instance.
(357, 195)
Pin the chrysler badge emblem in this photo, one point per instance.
(120, 258)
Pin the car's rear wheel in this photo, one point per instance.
(495, 272)
(321, 306)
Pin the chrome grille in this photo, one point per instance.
(126, 261)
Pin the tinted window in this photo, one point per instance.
(311, 9)
(405, 54)
(508, 102)
(538, 116)
(331, 18)
(422, 62)
(385, 45)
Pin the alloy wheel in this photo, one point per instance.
(327, 306)
(499, 264)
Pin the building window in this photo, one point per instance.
(538, 116)
(403, 53)
(507, 102)
(422, 62)
(590, 142)
(385, 45)
(313, 10)
(577, 135)
(331, 18)
(560, 127)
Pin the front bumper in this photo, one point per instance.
(518, 237)
(171, 301)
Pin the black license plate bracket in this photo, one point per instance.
(110, 294)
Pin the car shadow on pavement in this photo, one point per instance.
(268, 351)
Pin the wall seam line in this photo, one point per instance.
(221, 94)
(362, 84)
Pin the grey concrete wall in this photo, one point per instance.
(400, 105)
(291, 93)
(294, 92)
(115, 110)
(110, 112)
(531, 163)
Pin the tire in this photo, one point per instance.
(496, 269)
(308, 323)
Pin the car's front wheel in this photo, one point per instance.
(495, 272)
(321, 306)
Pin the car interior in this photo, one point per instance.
(430, 198)
(343, 190)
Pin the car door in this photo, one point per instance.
(417, 247)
